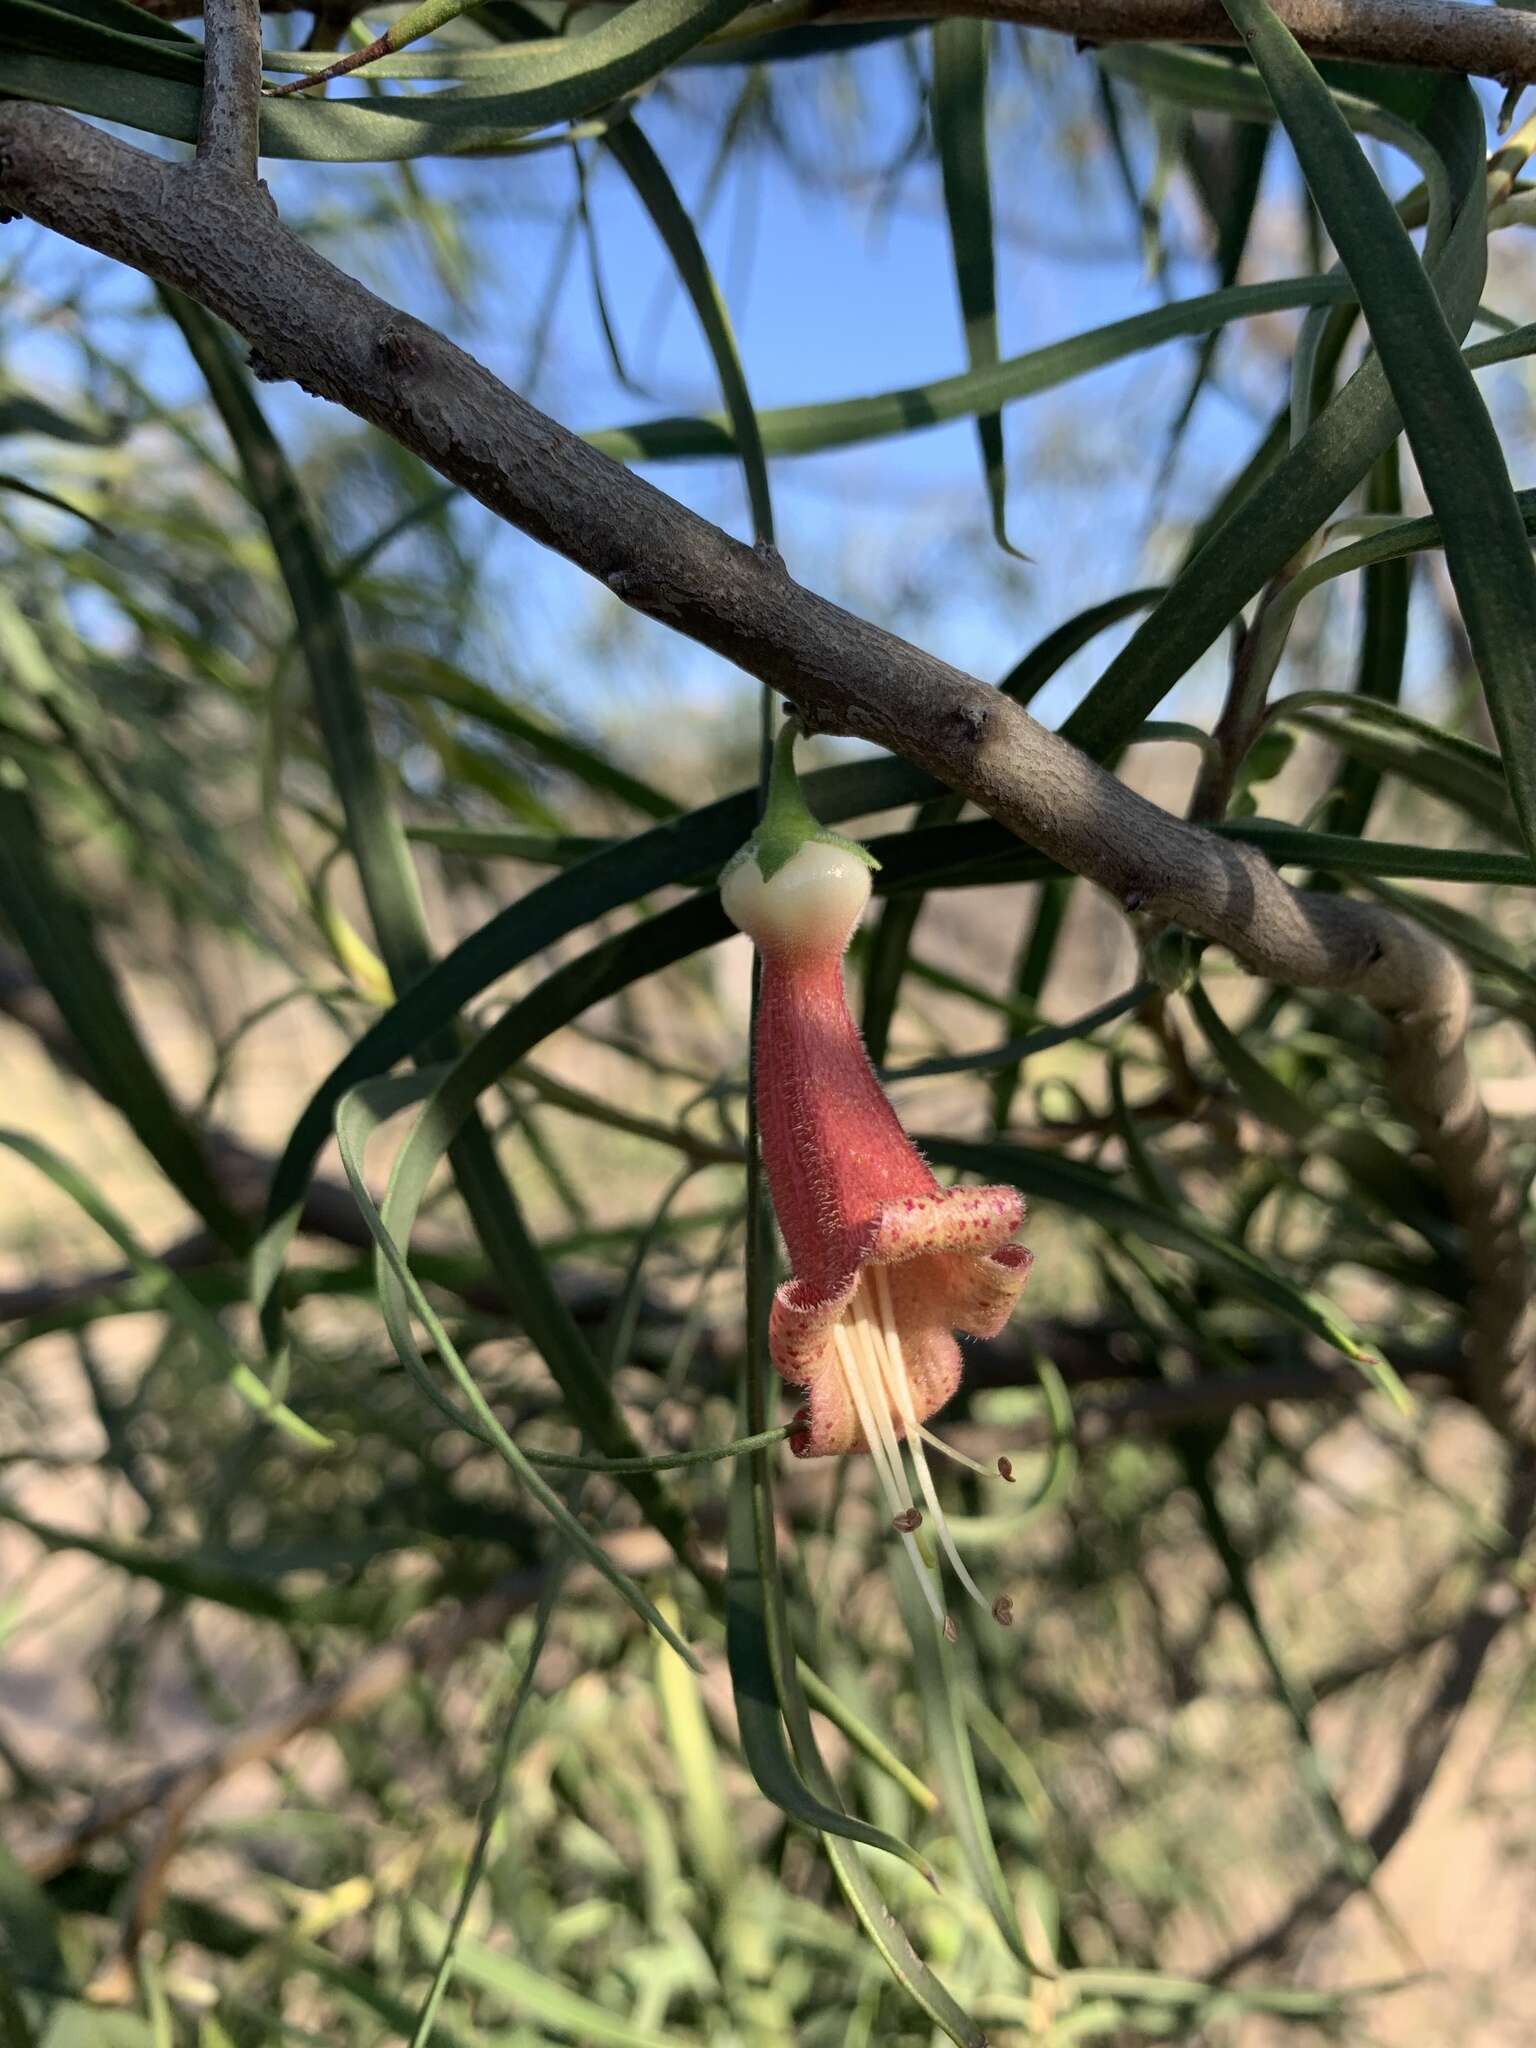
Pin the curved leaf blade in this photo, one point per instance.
(960, 128)
(1454, 441)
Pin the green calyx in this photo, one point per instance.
(788, 822)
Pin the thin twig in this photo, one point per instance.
(309, 322)
(231, 111)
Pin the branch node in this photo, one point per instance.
(398, 348)
(969, 720)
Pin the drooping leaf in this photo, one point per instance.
(1454, 441)
(159, 1287)
(1301, 489)
(960, 128)
(401, 1295)
(143, 79)
(645, 171)
(59, 938)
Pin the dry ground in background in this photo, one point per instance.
(1463, 1881)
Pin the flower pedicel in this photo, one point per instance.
(886, 1264)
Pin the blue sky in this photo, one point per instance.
(832, 294)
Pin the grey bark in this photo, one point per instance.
(231, 110)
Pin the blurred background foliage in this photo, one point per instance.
(287, 1694)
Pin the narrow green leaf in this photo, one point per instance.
(1156, 1181)
(383, 859)
(707, 1819)
(1265, 1093)
(21, 413)
(1037, 949)
(476, 842)
(1392, 741)
(841, 423)
(1227, 173)
(645, 171)
(544, 1315)
(159, 1287)
(1145, 214)
(1383, 649)
(22, 489)
(55, 931)
(413, 673)
(894, 1946)
(941, 1691)
(671, 1461)
(145, 80)
(1388, 542)
(756, 1695)
(1302, 488)
(553, 2006)
(1089, 1191)
(490, 1807)
(1029, 676)
(1455, 443)
(889, 950)
(1013, 1052)
(358, 1116)
(960, 128)
(1292, 846)
(425, 510)
(830, 1703)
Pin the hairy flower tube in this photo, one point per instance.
(886, 1264)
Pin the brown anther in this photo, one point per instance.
(1002, 1610)
(908, 1520)
(1005, 1470)
(951, 1633)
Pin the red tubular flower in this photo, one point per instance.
(886, 1264)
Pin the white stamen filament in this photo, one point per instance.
(937, 1443)
(901, 1394)
(875, 1421)
(869, 1351)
